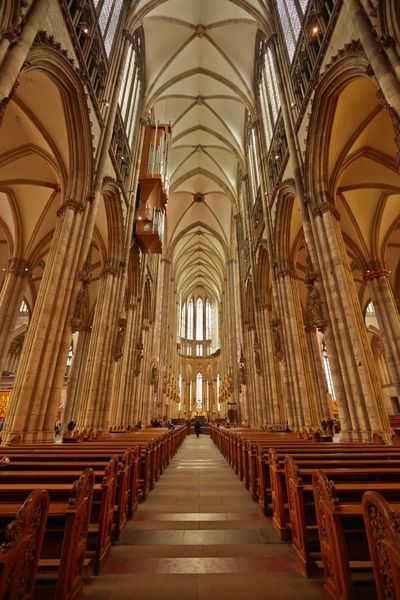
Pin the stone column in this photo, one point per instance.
(160, 352)
(11, 296)
(318, 374)
(17, 54)
(388, 318)
(147, 408)
(124, 400)
(187, 398)
(375, 53)
(32, 404)
(272, 374)
(362, 400)
(99, 354)
(73, 405)
(295, 354)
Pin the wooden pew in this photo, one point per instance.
(43, 457)
(345, 555)
(382, 525)
(275, 490)
(102, 510)
(21, 547)
(301, 509)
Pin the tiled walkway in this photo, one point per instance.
(200, 536)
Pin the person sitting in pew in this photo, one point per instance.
(4, 462)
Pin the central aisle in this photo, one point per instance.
(200, 536)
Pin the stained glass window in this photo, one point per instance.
(105, 14)
(255, 158)
(199, 319)
(208, 319)
(70, 355)
(268, 129)
(269, 97)
(24, 308)
(190, 320)
(183, 321)
(291, 23)
(127, 80)
(304, 4)
(109, 13)
(112, 27)
(134, 112)
(199, 391)
(272, 84)
(370, 309)
(328, 372)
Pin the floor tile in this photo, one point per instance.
(199, 536)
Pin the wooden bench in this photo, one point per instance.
(382, 525)
(275, 488)
(102, 509)
(62, 555)
(78, 457)
(301, 508)
(21, 546)
(345, 555)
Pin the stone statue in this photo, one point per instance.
(138, 358)
(81, 309)
(257, 361)
(276, 337)
(230, 384)
(154, 377)
(119, 341)
(81, 312)
(314, 306)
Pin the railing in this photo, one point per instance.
(315, 35)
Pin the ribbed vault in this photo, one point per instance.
(199, 75)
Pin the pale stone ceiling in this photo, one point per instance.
(199, 76)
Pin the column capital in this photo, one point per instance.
(75, 205)
(286, 271)
(110, 270)
(325, 207)
(376, 274)
(18, 266)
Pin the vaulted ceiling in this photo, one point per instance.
(199, 75)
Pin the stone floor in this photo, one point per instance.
(200, 536)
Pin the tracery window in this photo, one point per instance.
(199, 319)
(199, 391)
(291, 14)
(183, 321)
(271, 85)
(190, 314)
(23, 309)
(269, 97)
(370, 312)
(328, 372)
(208, 319)
(109, 12)
(70, 355)
(129, 96)
(197, 325)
